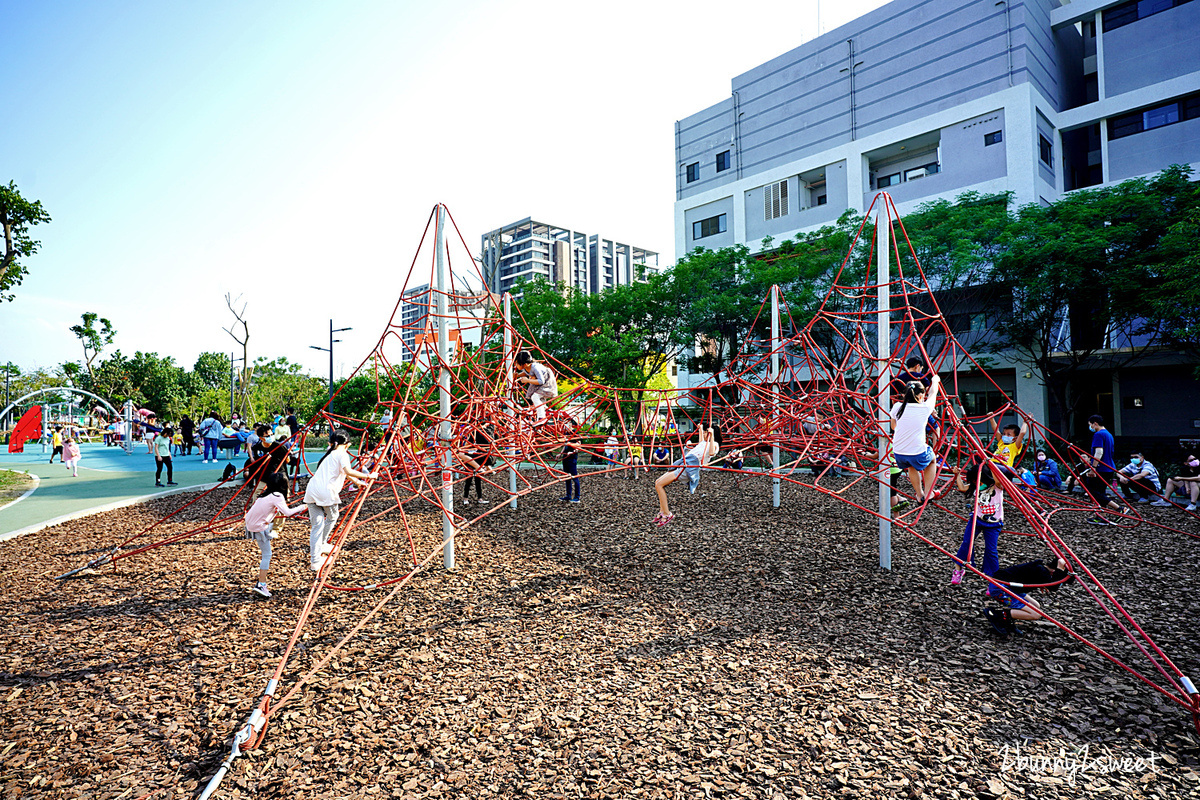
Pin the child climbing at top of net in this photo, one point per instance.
(540, 383)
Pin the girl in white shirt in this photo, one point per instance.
(323, 495)
(909, 420)
(705, 450)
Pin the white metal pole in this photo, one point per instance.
(882, 255)
(444, 427)
(775, 395)
(508, 379)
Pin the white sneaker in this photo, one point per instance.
(1190, 507)
(481, 502)
(261, 589)
(326, 549)
(1160, 503)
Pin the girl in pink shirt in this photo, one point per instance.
(260, 523)
(71, 448)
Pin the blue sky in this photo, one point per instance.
(290, 152)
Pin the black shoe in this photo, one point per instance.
(565, 499)
(1001, 623)
(172, 483)
(158, 483)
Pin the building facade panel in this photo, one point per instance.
(1148, 51)
(710, 225)
(1150, 151)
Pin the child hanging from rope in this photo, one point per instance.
(909, 420)
(978, 481)
(1046, 575)
(260, 524)
(705, 449)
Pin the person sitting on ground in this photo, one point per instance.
(707, 446)
(1139, 478)
(908, 437)
(1045, 471)
(540, 384)
(660, 456)
(1045, 575)
(1187, 483)
(1009, 442)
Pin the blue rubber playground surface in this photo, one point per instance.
(108, 478)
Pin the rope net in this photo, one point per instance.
(821, 411)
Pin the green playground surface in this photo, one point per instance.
(108, 478)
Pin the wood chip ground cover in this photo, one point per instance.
(579, 651)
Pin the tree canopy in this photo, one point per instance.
(17, 216)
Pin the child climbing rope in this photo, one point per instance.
(705, 449)
(1046, 575)
(260, 524)
(908, 440)
(978, 481)
(322, 496)
(540, 383)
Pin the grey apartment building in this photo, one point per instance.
(529, 249)
(414, 313)
(927, 99)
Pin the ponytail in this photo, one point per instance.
(911, 389)
(336, 438)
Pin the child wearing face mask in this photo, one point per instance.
(1009, 442)
(1045, 470)
(1186, 482)
(1139, 478)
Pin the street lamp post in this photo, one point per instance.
(332, 331)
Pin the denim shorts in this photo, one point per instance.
(917, 462)
(1012, 603)
(691, 465)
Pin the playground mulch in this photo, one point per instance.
(579, 651)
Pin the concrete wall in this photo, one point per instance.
(1165, 45)
(1172, 402)
(1150, 151)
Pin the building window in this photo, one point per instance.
(887, 180)
(674, 370)
(775, 200)
(1129, 13)
(995, 137)
(722, 161)
(708, 227)
(978, 404)
(822, 200)
(921, 171)
(1045, 151)
(1156, 117)
(693, 172)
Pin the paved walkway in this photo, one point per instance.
(108, 478)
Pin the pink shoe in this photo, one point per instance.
(957, 576)
(660, 520)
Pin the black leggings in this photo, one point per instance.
(158, 468)
(478, 487)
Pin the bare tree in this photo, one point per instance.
(243, 387)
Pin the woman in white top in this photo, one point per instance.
(705, 450)
(909, 421)
(322, 495)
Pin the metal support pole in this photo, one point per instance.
(882, 256)
(775, 344)
(329, 405)
(444, 427)
(508, 379)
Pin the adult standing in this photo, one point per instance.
(187, 429)
(210, 429)
(1101, 468)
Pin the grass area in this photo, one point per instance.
(13, 485)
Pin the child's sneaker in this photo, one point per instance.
(574, 499)
(957, 575)
(1000, 619)
(326, 549)
(261, 589)
(1190, 507)
(1160, 503)
(1098, 521)
(479, 501)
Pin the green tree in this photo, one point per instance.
(1074, 266)
(1175, 296)
(281, 384)
(17, 216)
(94, 339)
